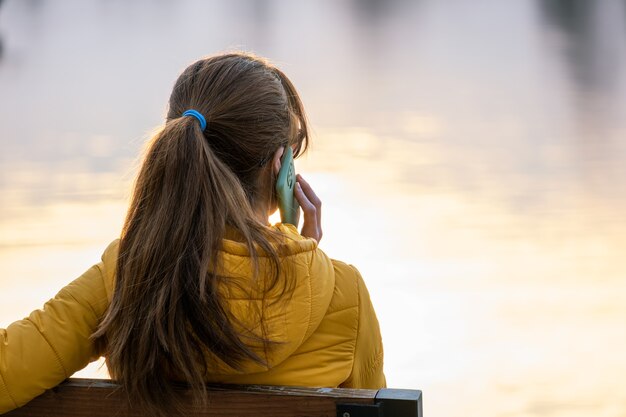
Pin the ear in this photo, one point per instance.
(276, 160)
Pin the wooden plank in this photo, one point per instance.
(99, 398)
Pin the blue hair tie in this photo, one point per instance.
(198, 116)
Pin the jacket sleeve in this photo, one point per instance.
(39, 352)
(367, 369)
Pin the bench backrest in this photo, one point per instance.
(99, 398)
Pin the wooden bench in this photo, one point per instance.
(99, 398)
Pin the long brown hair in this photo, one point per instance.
(166, 312)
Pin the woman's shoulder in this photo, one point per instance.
(348, 285)
(346, 271)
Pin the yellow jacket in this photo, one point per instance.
(328, 330)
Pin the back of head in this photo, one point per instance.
(251, 110)
(166, 311)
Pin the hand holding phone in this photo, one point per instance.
(311, 207)
(294, 192)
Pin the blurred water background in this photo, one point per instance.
(471, 156)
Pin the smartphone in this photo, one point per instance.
(285, 183)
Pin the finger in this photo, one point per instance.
(308, 191)
(314, 199)
(312, 226)
(309, 226)
(308, 207)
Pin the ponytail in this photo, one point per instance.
(166, 312)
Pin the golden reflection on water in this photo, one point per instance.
(510, 312)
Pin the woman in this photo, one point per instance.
(200, 288)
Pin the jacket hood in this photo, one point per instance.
(286, 314)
